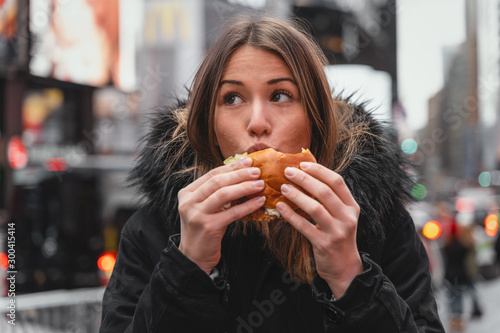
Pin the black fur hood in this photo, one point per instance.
(377, 174)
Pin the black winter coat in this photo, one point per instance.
(155, 288)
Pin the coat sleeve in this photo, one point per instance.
(394, 295)
(144, 296)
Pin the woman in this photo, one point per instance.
(185, 265)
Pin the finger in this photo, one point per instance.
(321, 191)
(315, 209)
(221, 181)
(238, 211)
(302, 225)
(332, 179)
(240, 164)
(219, 199)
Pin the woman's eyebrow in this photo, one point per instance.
(238, 83)
(274, 81)
(270, 82)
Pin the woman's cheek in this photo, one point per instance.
(228, 143)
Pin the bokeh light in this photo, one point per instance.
(484, 179)
(419, 191)
(491, 225)
(465, 205)
(409, 146)
(17, 154)
(106, 261)
(432, 230)
(4, 261)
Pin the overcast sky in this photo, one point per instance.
(424, 28)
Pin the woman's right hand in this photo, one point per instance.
(205, 211)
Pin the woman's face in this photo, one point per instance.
(258, 105)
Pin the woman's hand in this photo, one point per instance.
(335, 213)
(205, 211)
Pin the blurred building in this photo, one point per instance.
(488, 90)
(355, 32)
(429, 157)
(458, 149)
(448, 151)
(461, 140)
(69, 123)
(459, 120)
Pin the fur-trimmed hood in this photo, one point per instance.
(377, 174)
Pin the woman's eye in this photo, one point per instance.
(232, 99)
(281, 97)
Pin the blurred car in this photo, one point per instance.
(479, 209)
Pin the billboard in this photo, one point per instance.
(80, 41)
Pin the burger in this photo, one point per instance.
(272, 165)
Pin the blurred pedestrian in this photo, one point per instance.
(460, 273)
(187, 262)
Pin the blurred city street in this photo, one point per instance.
(75, 103)
(56, 311)
(489, 292)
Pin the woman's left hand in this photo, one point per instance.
(335, 212)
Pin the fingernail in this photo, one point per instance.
(246, 161)
(254, 171)
(260, 200)
(258, 183)
(280, 207)
(290, 172)
(305, 165)
(285, 188)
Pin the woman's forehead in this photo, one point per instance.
(250, 60)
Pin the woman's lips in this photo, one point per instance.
(256, 147)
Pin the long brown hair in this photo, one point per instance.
(306, 62)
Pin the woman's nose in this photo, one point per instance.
(259, 122)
